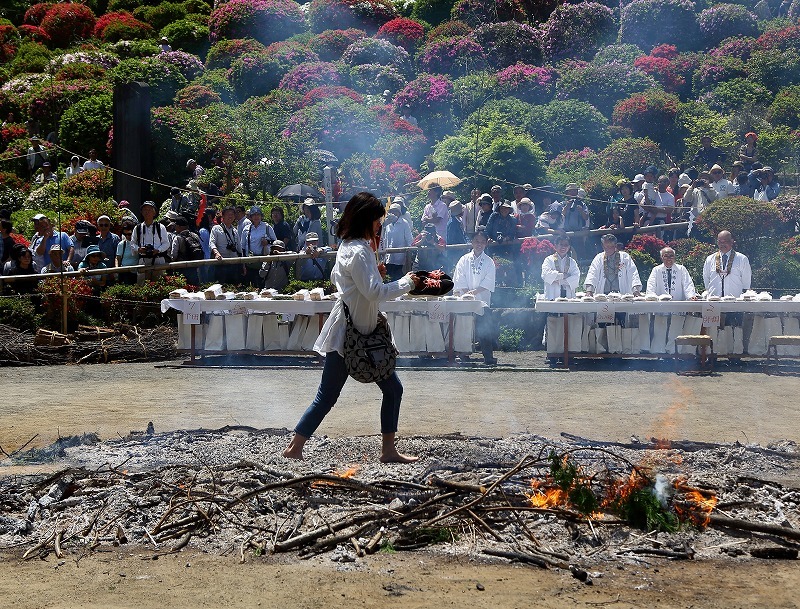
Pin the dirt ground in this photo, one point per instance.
(601, 403)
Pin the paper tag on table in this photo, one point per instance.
(605, 314)
(191, 314)
(437, 312)
(711, 316)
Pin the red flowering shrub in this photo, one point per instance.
(309, 76)
(662, 70)
(531, 84)
(265, 20)
(197, 96)
(650, 114)
(8, 38)
(401, 174)
(9, 133)
(790, 247)
(449, 29)
(20, 239)
(223, 53)
(327, 92)
(65, 23)
(35, 14)
(92, 183)
(403, 32)
(667, 51)
(534, 251)
(51, 289)
(649, 244)
(112, 27)
(369, 15)
(35, 33)
(330, 44)
(780, 40)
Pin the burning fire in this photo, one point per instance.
(697, 504)
(349, 473)
(546, 497)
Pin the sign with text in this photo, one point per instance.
(605, 315)
(711, 316)
(437, 313)
(191, 315)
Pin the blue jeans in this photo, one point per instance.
(334, 376)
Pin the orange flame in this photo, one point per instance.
(697, 504)
(547, 498)
(349, 473)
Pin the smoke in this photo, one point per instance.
(662, 489)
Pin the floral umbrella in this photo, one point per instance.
(445, 179)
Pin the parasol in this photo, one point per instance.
(299, 192)
(445, 179)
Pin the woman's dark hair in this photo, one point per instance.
(480, 232)
(230, 209)
(128, 224)
(279, 210)
(361, 211)
(17, 251)
(316, 214)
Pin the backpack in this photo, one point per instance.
(194, 249)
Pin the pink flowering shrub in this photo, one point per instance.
(258, 73)
(509, 42)
(373, 50)
(401, 174)
(367, 15)
(531, 84)
(650, 114)
(426, 92)
(187, 64)
(265, 20)
(572, 164)
(452, 56)
(578, 30)
(724, 20)
(737, 46)
(534, 251)
(47, 102)
(223, 53)
(648, 23)
(66, 23)
(308, 76)
(329, 92)
(449, 29)
(330, 44)
(403, 32)
(715, 70)
(196, 96)
(121, 25)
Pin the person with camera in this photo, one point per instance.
(763, 183)
(313, 268)
(151, 241)
(257, 237)
(699, 195)
(224, 243)
(658, 205)
(358, 280)
(708, 155)
(436, 211)
(395, 233)
(276, 272)
(430, 254)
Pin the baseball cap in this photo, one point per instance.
(38, 217)
(149, 204)
(312, 237)
(496, 187)
(639, 177)
(255, 210)
(555, 208)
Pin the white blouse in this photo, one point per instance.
(356, 277)
(472, 273)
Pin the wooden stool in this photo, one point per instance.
(774, 342)
(700, 342)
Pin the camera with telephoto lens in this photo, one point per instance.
(231, 247)
(149, 250)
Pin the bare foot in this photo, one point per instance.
(293, 453)
(396, 457)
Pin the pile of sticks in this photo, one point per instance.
(93, 345)
(248, 508)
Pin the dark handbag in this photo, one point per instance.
(372, 357)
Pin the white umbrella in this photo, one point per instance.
(445, 179)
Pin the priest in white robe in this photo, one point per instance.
(475, 275)
(726, 272)
(560, 272)
(612, 271)
(671, 279)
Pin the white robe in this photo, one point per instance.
(465, 279)
(554, 279)
(682, 284)
(628, 275)
(737, 282)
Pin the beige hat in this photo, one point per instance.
(571, 186)
(456, 208)
(312, 237)
(717, 168)
(448, 194)
(524, 201)
(395, 209)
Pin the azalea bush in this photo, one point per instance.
(427, 93)
(785, 108)
(259, 73)
(66, 23)
(774, 70)
(403, 32)
(308, 76)
(534, 251)
(572, 165)
(374, 78)
(452, 56)
(509, 42)
(578, 30)
(649, 244)
(376, 51)
(222, 54)
(476, 12)
(190, 66)
(77, 289)
(187, 35)
(48, 102)
(34, 33)
(448, 29)
(164, 79)
(790, 247)
(602, 86)
(714, 70)
(648, 23)
(645, 263)
(663, 71)
(739, 47)
(35, 14)
(112, 27)
(526, 82)
(327, 92)
(368, 15)
(160, 15)
(746, 219)
(264, 20)
(788, 207)
(738, 94)
(80, 71)
(568, 124)
(629, 156)
(90, 183)
(724, 20)
(330, 44)
(781, 39)
(648, 115)
(85, 125)
(618, 53)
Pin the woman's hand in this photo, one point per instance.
(415, 279)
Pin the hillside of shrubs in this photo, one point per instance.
(502, 90)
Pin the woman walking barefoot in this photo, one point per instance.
(361, 286)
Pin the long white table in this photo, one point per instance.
(442, 311)
(767, 317)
